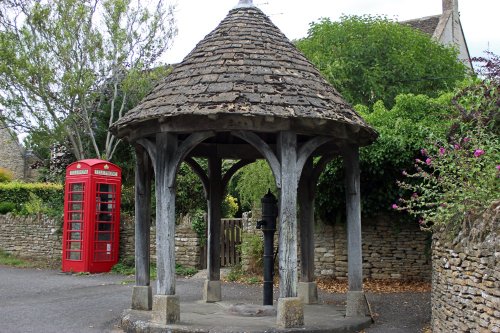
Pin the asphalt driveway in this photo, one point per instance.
(34, 300)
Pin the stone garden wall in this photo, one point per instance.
(36, 237)
(391, 250)
(466, 277)
(40, 238)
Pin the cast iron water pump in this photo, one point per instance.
(268, 226)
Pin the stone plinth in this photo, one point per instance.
(212, 291)
(308, 292)
(290, 312)
(357, 305)
(142, 298)
(166, 309)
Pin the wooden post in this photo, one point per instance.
(142, 294)
(166, 145)
(212, 289)
(288, 215)
(142, 216)
(306, 208)
(353, 207)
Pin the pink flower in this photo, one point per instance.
(466, 139)
(394, 206)
(478, 152)
(442, 151)
(423, 152)
(404, 173)
(414, 195)
(498, 167)
(417, 160)
(428, 161)
(457, 147)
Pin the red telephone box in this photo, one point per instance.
(91, 229)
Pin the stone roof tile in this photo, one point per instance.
(246, 67)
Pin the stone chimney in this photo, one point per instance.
(450, 5)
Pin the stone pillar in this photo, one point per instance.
(290, 308)
(307, 288)
(142, 294)
(356, 301)
(212, 287)
(165, 303)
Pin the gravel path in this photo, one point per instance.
(34, 300)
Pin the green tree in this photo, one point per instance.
(372, 58)
(252, 183)
(414, 122)
(63, 64)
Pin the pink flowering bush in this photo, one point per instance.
(454, 182)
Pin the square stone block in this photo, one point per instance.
(212, 291)
(308, 292)
(142, 298)
(290, 312)
(166, 309)
(357, 304)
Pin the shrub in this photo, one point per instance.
(229, 206)
(458, 178)
(5, 175)
(252, 249)
(31, 198)
(7, 207)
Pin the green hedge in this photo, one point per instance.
(31, 198)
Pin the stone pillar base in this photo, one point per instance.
(357, 304)
(142, 298)
(212, 291)
(290, 312)
(166, 309)
(308, 292)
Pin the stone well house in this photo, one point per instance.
(445, 28)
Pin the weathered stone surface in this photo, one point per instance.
(166, 309)
(356, 304)
(465, 293)
(142, 298)
(290, 312)
(308, 292)
(212, 291)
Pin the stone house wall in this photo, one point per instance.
(11, 153)
(466, 277)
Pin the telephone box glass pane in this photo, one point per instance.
(75, 235)
(75, 226)
(76, 216)
(76, 197)
(73, 255)
(76, 206)
(76, 187)
(75, 245)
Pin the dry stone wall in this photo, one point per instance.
(466, 277)
(36, 237)
(39, 238)
(391, 250)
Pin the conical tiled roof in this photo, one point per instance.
(245, 75)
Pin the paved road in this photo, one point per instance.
(33, 300)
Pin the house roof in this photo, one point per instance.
(427, 24)
(245, 75)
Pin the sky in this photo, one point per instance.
(197, 18)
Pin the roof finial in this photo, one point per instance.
(244, 4)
